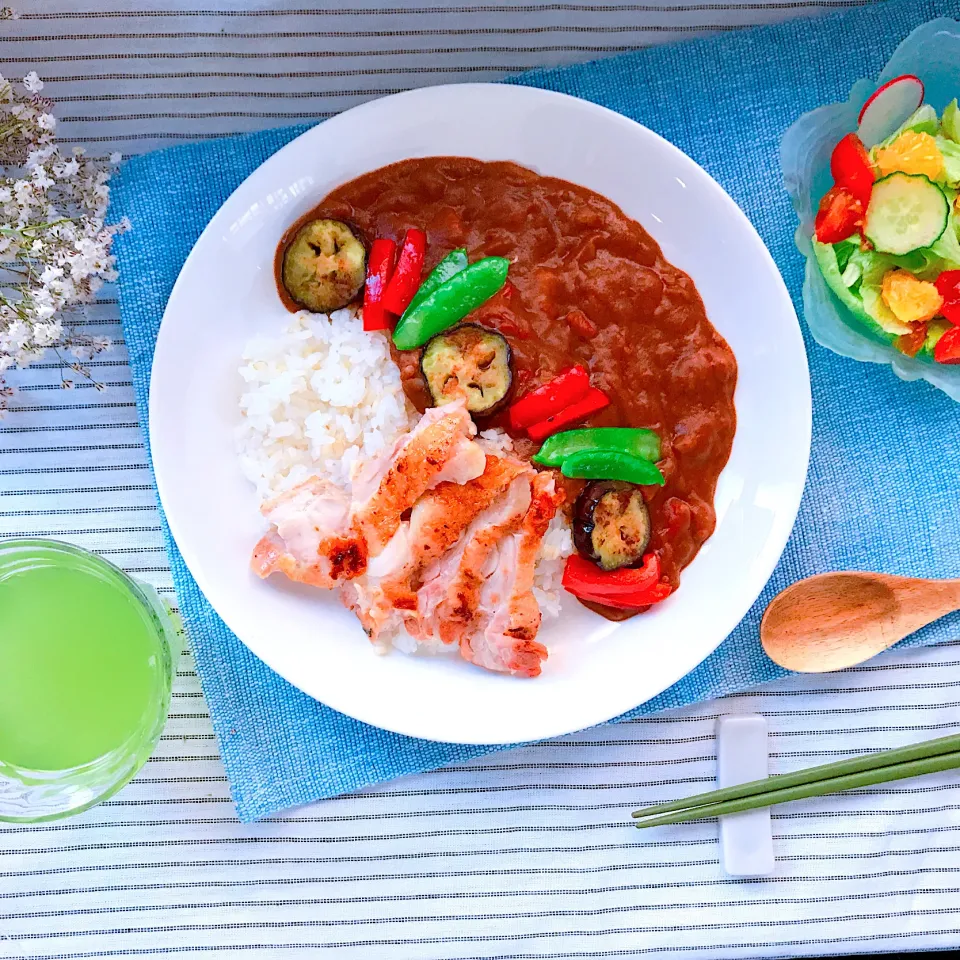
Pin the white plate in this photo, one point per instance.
(597, 669)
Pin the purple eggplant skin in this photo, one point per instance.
(611, 524)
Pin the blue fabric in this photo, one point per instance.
(883, 489)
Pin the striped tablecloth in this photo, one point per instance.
(522, 855)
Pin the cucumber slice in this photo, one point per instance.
(907, 212)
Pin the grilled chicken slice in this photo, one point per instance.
(440, 448)
(449, 599)
(309, 541)
(505, 638)
(437, 522)
(320, 538)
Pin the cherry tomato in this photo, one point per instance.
(851, 168)
(839, 216)
(948, 285)
(951, 311)
(947, 349)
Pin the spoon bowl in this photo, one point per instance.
(837, 620)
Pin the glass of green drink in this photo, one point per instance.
(87, 659)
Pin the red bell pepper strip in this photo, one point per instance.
(379, 271)
(947, 349)
(592, 402)
(627, 589)
(565, 388)
(839, 216)
(406, 277)
(851, 168)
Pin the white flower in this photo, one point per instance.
(53, 205)
(65, 171)
(45, 333)
(50, 274)
(40, 179)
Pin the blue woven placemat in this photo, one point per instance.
(884, 484)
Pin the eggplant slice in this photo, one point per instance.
(611, 524)
(324, 266)
(471, 362)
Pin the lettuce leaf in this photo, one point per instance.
(947, 249)
(862, 298)
(935, 330)
(873, 268)
(922, 120)
(951, 160)
(951, 121)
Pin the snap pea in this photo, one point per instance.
(611, 465)
(451, 302)
(634, 441)
(453, 262)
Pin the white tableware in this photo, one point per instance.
(597, 669)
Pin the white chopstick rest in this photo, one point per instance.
(746, 839)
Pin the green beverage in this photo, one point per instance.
(86, 662)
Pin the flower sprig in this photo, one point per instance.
(55, 244)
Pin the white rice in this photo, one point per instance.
(324, 394)
(318, 397)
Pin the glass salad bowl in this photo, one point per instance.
(932, 54)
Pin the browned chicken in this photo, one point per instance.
(460, 569)
(321, 538)
(449, 599)
(505, 638)
(438, 449)
(308, 541)
(388, 592)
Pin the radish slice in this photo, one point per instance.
(889, 107)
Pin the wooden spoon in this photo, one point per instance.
(837, 620)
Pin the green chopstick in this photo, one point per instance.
(931, 756)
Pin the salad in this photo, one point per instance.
(887, 234)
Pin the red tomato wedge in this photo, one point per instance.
(839, 216)
(947, 349)
(951, 311)
(948, 285)
(851, 168)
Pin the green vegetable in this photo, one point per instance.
(906, 213)
(852, 298)
(452, 263)
(922, 120)
(611, 465)
(945, 253)
(451, 302)
(644, 444)
(845, 250)
(951, 121)
(951, 160)
(935, 330)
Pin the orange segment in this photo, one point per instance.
(911, 152)
(909, 299)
